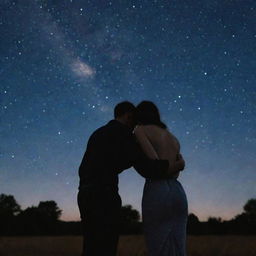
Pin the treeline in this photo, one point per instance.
(44, 219)
(242, 224)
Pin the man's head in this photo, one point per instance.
(124, 112)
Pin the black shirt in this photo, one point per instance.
(112, 149)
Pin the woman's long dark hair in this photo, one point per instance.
(147, 113)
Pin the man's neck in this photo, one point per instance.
(123, 123)
(120, 120)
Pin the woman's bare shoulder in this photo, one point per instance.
(154, 131)
(152, 127)
(142, 127)
(138, 128)
(156, 128)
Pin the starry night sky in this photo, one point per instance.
(65, 64)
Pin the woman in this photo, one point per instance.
(164, 203)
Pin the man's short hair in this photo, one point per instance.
(122, 108)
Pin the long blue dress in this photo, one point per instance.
(164, 212)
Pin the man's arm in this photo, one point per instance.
(130, 154)
(157, 169)
(150, 152)
(151, 168)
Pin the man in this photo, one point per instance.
(110, 150)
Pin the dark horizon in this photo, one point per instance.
(124, 205)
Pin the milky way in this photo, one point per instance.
(65, 64)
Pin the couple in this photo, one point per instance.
(136, 137)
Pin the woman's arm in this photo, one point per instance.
(145, 142)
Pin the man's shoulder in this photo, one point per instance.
(99, 131)
(110, 127)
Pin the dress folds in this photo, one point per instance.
(164, 212)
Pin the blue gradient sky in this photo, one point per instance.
(65, 64)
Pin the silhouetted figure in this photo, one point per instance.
(110, 150)
(164, 202)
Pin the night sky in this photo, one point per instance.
(65, 64)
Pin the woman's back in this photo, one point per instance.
(163, 142)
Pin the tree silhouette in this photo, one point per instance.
(250, 213)
(8, 206)
(193, 219)
(193, 224)
(29, 223)
(214, 225)
(50, 210)
(250, 207)
(40, 220)
(214, 220)
(129, 215)
(245, 223)
(130, 220)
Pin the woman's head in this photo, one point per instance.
(147, 113)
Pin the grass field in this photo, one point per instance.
(128, 246)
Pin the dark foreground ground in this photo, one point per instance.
(128, 246)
